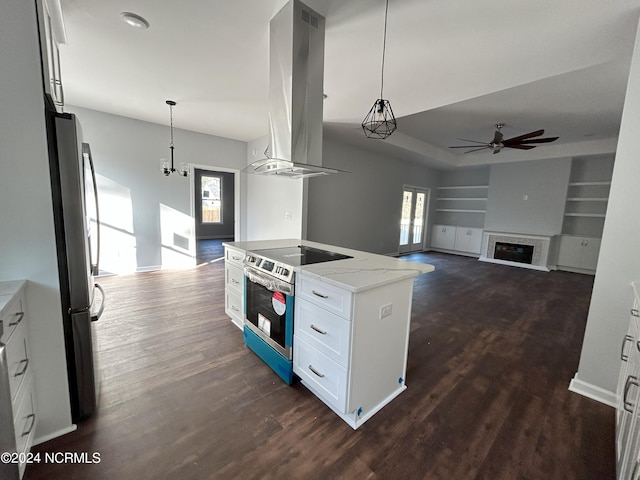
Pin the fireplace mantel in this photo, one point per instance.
(544, 249)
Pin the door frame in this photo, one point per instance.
(426, 190)
(236, 194)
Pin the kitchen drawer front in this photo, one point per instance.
(234, 306)
(18, 358)
(13, 315)
(325, 376)
(234, 257)
(25, 418)
(335, 300)
(234, 278)
(326, 332)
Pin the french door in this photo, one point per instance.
(413, 220)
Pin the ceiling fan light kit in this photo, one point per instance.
(380, 121)
(166, 167)
(521, 142)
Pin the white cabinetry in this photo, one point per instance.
(234, 285)
(17, 402)
(578, 254)
(350, 348)
(628, 392)
(456, 239)
(51, 29)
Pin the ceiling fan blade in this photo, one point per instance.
(497, 137)
(469, 146)
(537, 133)
(475, 150)
(539, 140)
(474, 141)
(519, 146)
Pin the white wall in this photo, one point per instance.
(28, 249)
(362, 209)
(274, 204)
(543, 182)
(619, 261)
(147, 218)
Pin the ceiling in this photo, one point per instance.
(452, 69)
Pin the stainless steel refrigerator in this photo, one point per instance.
(76, 216)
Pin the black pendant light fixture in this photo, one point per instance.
(167, 168)
(380, 122)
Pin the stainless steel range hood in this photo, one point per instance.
(296, 71)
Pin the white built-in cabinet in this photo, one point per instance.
(578, 253)
(456, 239)
(628, 393)
(51, 29)
(18, 401)
(350, 348)
(234, 285)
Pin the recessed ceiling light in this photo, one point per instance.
(134, 20)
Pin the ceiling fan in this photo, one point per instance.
(521, 142)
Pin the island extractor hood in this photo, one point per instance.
(296, 71)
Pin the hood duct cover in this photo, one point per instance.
(296, 72)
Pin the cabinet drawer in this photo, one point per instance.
(326, 377)
(18, 358)
(234, 278)
(234, 306)
(327, 296)
(25, 419)
(234, 257)
(324, 331)
(13, 315)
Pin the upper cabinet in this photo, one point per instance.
(52, 34)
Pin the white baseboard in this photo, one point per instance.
(593, 392)
(51, 436)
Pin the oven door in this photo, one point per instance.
(269, 310)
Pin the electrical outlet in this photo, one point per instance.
(385, 310)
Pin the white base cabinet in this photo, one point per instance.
(628, 392)
(18, 415)
(456, 239)
(350, 349)
(234, 285)
(578, 254)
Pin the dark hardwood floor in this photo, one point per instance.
(492, 351)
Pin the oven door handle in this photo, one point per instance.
(267, 281)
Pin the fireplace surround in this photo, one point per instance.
(520, 250)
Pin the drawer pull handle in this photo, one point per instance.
(317, 294)
(631, 380)
(624, 357)
(321, 375)
(233, 280)
(236, 258)
(20, 316)
(24, 369)
(32, 417)
(634, 312)
(233, 307)
(318, 330)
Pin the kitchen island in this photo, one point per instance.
(351, 324)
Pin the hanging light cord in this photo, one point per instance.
(384, 46)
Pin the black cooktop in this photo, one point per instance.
(300, 255)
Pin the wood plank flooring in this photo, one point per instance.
(492, 351)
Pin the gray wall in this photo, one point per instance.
(361, 209)
(619, 261)
(28, 249)
(147, 218)
(543, 182)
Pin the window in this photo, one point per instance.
(211, 197)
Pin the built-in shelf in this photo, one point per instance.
(593, 215)
(591, 199)
(584, 184)
(459, 210)
(462, 198)
(462, 187)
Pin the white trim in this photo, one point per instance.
(593, 392)
(55, 434)
(148, 268)
(514, 264)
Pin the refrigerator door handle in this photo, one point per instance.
(96, 317)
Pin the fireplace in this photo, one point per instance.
(513, 252)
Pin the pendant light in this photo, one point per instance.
(380, 122)
(167, 168)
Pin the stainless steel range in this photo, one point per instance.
(269, 301)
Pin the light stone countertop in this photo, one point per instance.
(8, 290)
(362, 272)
